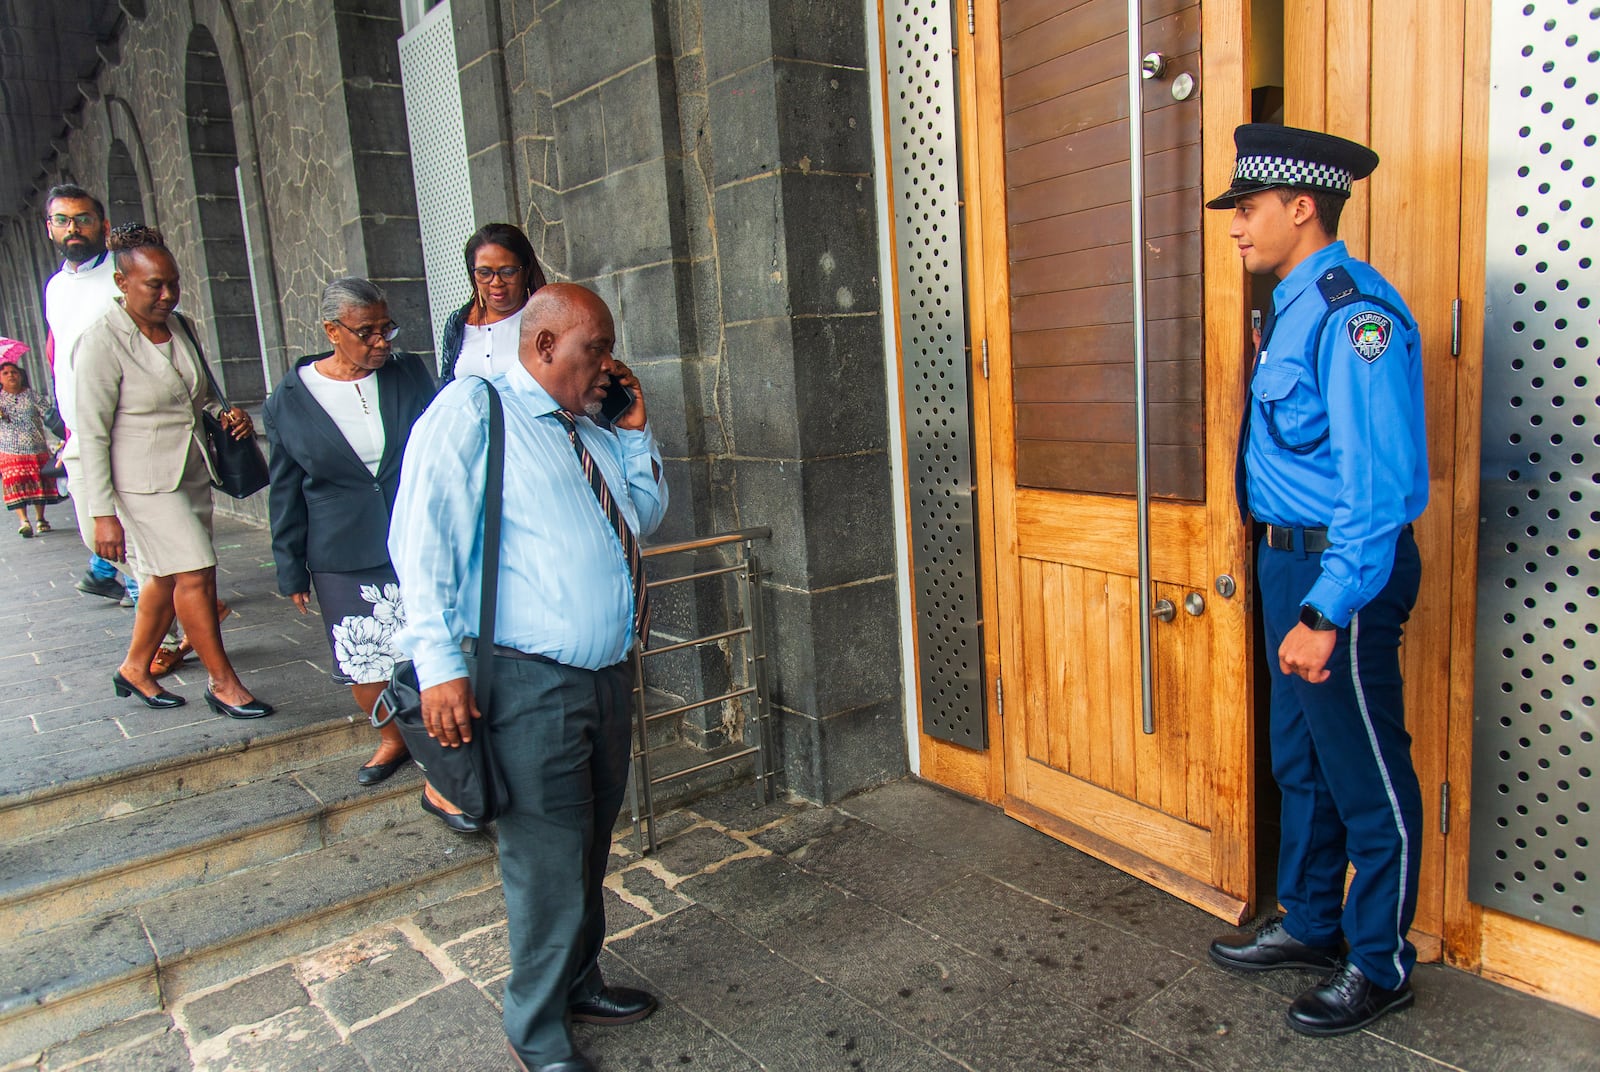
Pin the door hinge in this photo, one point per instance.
(1455, 328)
(971, 19)
(984, 345)
(1000, 697)
(1444, 807)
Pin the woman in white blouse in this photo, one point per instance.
(337, 424)
(480, 338)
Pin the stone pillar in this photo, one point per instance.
(788, 105)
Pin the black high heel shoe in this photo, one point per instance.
(160, 701)
(253, 709)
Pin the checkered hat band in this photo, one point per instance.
(1282, 171)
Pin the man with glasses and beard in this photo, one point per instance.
(75, 297)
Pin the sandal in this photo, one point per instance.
(26, 531)
(166, 660)
(41, 525)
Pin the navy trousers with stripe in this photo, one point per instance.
(1342, 756)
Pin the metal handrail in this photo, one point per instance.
(746, 573)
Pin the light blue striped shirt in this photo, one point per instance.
(564, 585)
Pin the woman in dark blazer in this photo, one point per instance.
(338, 425)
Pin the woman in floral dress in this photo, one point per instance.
(22, 450)
(337, 424)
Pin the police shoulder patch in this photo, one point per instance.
(1369, 333)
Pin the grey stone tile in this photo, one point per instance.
(484, 956)
(643, 883)
(449, 920)
(694, 850)
(671, 1038)
(620, 915)
(712, 969)
(1473, 1023)
(456, 1027)
(817, 1028)
(300, 1040)
(801, 829)
(250, 1000)
(919, 981)
(761, 896)
(738, 809)
(1225, 1022)
(88, 953)
(111, 1037)
(376, 984)
(1043, 1032)
(160, 1053)
(1107, 971)
(1141, 909)
(858, 859)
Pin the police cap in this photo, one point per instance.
(1270, 155)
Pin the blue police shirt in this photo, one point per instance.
(1336, 437)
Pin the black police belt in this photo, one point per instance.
(1311, 541)
(1338, 288)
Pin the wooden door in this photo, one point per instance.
(1173, 806)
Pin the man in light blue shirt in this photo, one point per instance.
(570, 609)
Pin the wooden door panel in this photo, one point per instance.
(1102, 533)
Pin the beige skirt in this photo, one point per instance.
(169, 532)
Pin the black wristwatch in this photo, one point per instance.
(1312, 618)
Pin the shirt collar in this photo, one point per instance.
(1305, 273)
(522, 383)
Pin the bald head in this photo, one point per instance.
(565, 343)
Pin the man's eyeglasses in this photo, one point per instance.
(506, 274)
(367, 335)
(84, 220)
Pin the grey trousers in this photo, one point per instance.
(563, 738)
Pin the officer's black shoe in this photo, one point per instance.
(1272, 947)
(1344, 1002)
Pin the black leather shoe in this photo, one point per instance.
(576, 1063)
(1271, 947)
(253, 709)
(1344, 1002)
(161, 699)
(373, 773)
(613, 1006)
(459, 823)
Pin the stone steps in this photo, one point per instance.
(123, 891)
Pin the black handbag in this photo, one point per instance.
(466, 775)
(239, 465)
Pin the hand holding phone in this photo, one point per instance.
(617, 401)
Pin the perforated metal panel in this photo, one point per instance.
(1535, 833)
(432, 85)
(933, 332)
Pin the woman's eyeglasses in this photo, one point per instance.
(368, 335)
(506, 274)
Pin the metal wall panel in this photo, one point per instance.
(432, 85)
(926, 183)
(1535, 833)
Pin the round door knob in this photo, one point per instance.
(1195, 604)
(1154, 66)
(1165, 610)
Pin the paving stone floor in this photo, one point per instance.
(904, 930)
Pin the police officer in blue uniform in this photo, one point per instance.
(1333, 462)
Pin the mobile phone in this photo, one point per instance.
(617, 401)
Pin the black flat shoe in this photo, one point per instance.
(373, 773)
(1271, 947)
(459, 823)
(1344, 1002)
(576, 1063)
(253, 709)
(160, 701)
(614, 1005)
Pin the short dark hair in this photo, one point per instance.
(510, 238)
(127, 238)
(73, 192)
(1329, 205)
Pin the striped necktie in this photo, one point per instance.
(608, 506)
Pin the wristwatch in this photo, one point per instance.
(1312, 618)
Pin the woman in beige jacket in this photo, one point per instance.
(144, 476)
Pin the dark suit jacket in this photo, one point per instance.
(329, 514)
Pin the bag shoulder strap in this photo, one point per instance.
(494, 482)
(200, 355)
